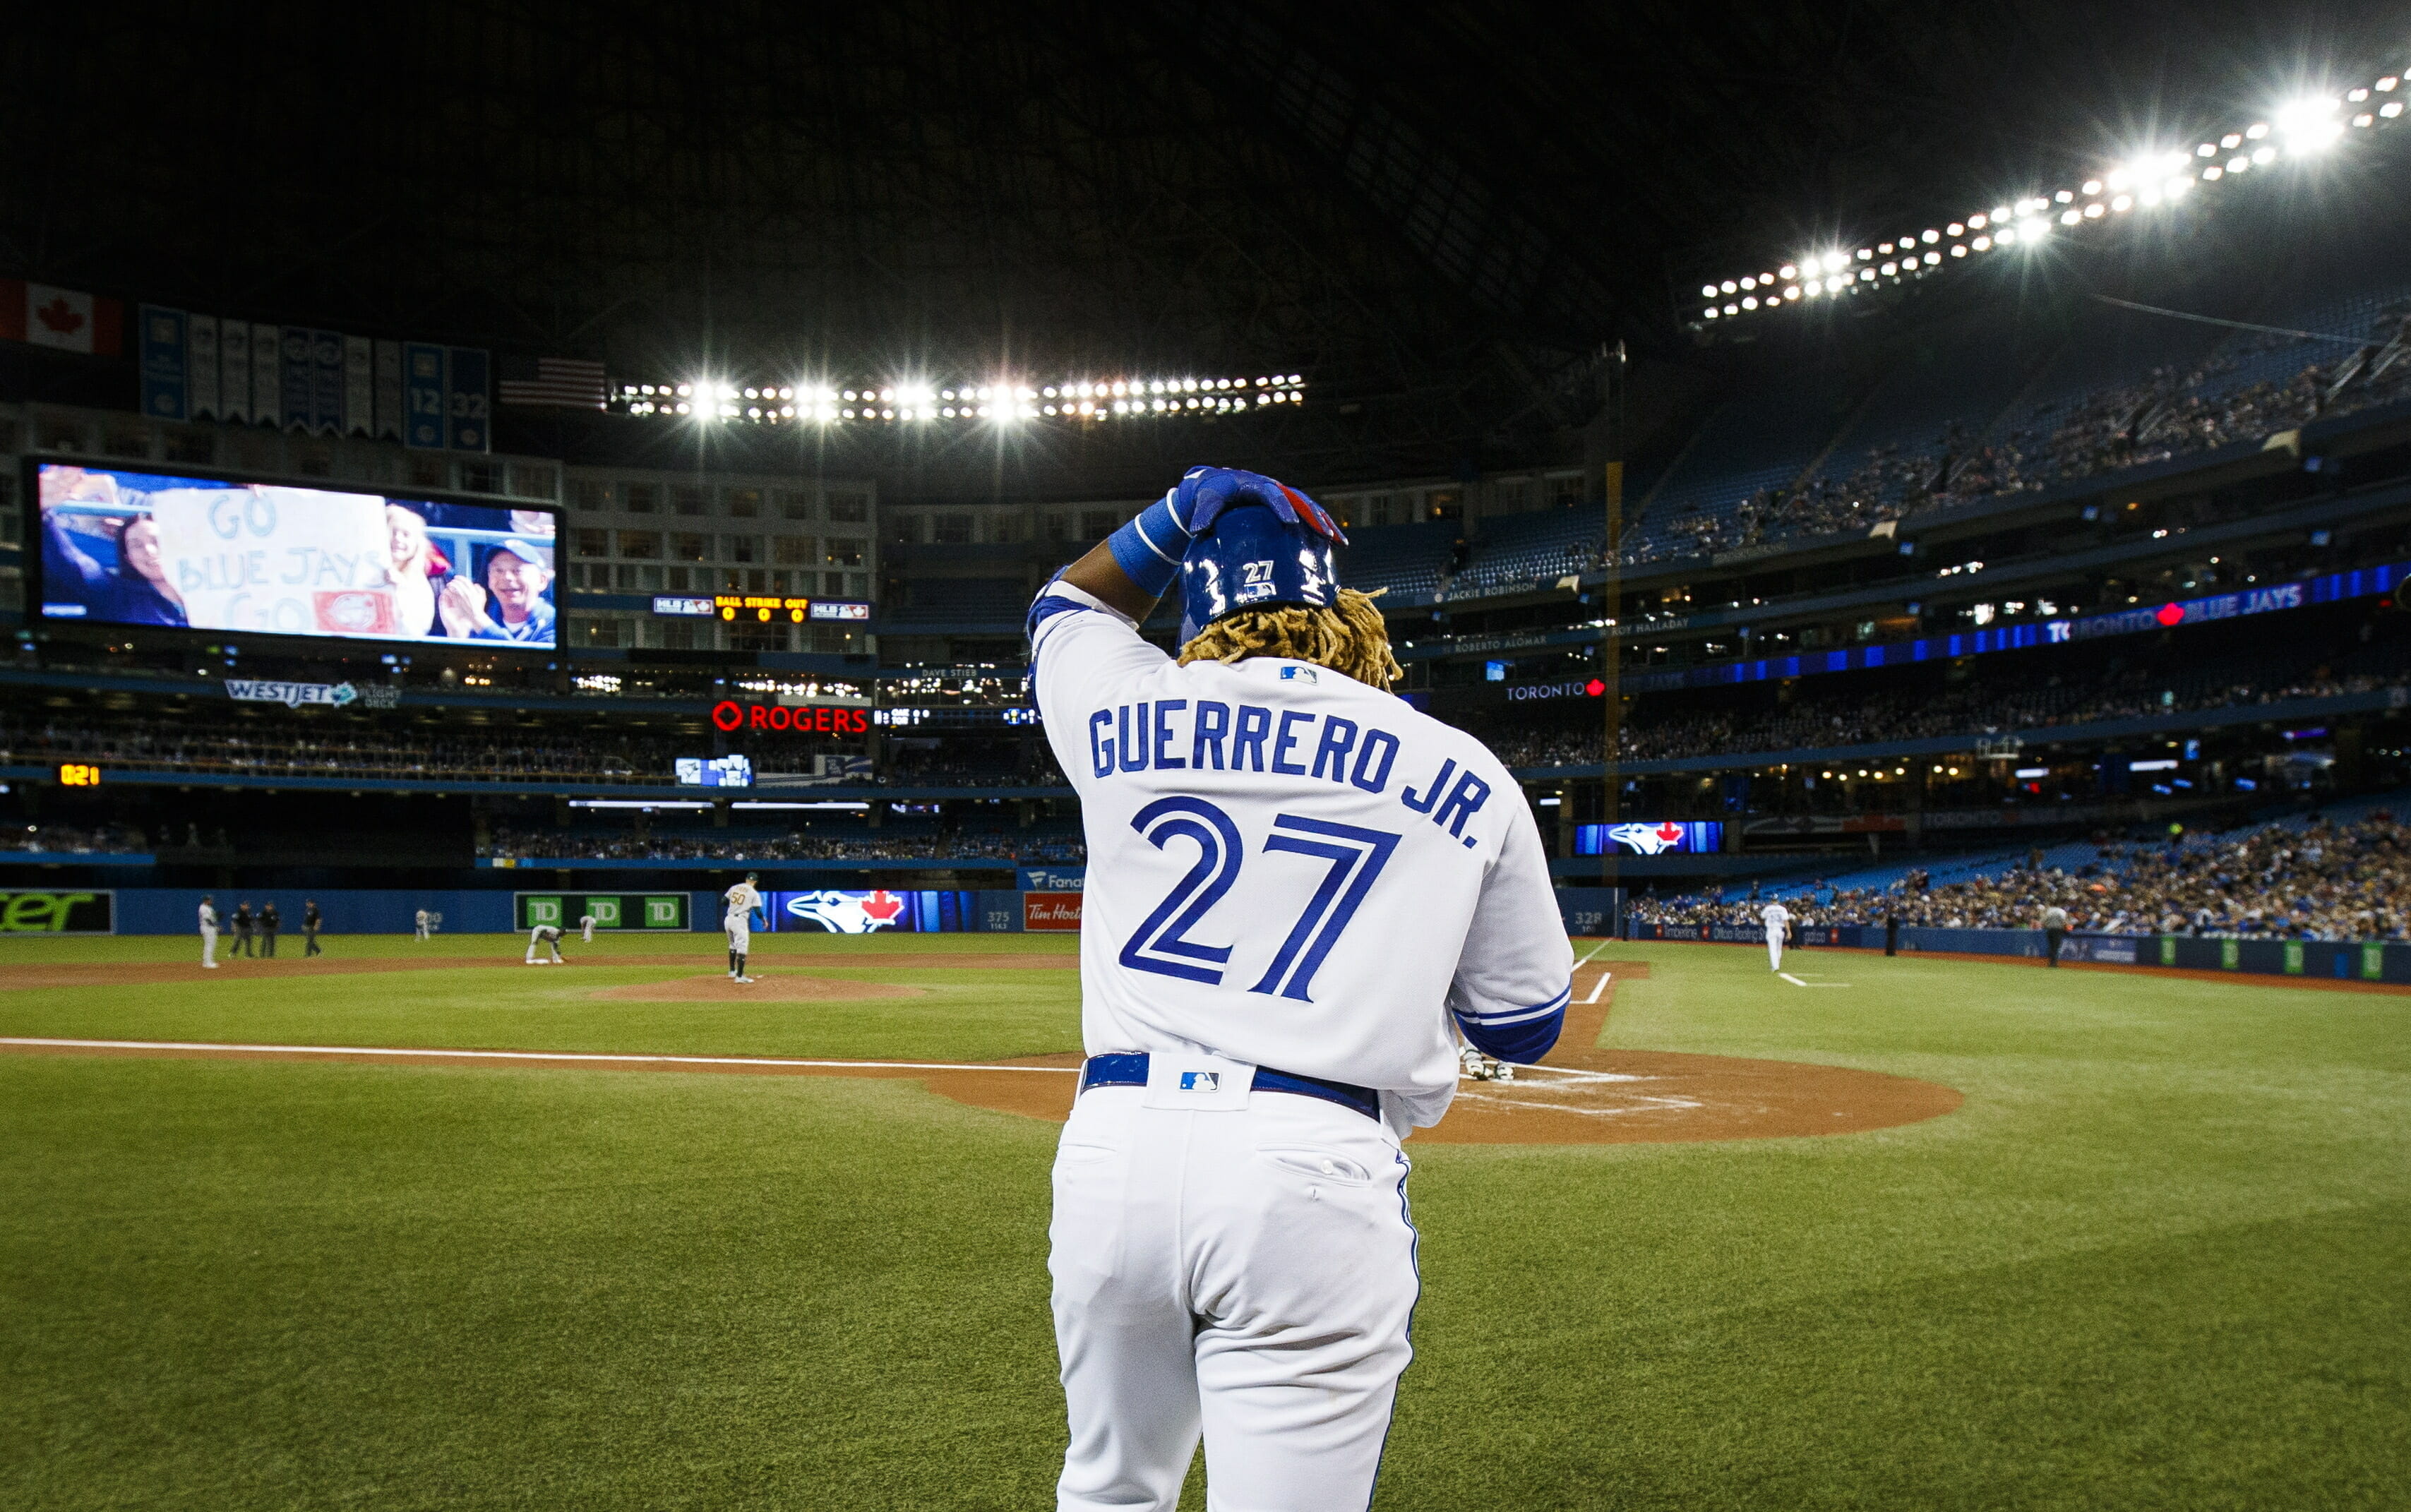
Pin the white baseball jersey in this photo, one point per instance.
(1289, 868)
(1776, 916)
(742, 900)
(209, 920)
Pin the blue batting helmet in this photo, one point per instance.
(1253, 559)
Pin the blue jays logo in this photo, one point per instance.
(1201, 1081)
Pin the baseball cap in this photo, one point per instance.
(525, 552)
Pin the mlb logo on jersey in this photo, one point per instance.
(1299, 675)
(1201, 1081)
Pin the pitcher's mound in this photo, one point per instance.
(784, 988)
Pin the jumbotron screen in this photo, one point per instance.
(127, 548)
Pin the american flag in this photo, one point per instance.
(565, 382)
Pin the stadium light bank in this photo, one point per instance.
(2148, 181)
(1086, 400)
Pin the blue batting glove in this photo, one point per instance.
(1205, 492)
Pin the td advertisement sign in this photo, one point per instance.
(32, 911)
(611, 911)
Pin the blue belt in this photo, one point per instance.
(1130, 1071)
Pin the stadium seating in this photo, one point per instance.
(1760, 440)
(1519, 550)
(1407, 560)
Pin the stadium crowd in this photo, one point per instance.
(2170, 411)
(66, 839)
(1823, 722)
(549, 845)
(2328, 881)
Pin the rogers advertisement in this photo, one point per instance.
(803, 719)
(1056, 911)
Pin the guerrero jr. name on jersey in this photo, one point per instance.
(1167, 734)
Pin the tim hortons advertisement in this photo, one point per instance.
(1059, 911)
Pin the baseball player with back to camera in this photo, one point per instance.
(1301, 892)
(742, 900)
(1778, 921)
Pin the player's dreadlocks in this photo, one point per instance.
(1350, 639)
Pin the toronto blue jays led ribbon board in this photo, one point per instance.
(1652, 838)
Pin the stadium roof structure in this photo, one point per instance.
(1442, 214)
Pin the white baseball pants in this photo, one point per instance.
(209, 947)
(1249, 1274)
(1774, 950)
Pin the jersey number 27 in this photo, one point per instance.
(1161, 944)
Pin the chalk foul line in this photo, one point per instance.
(1600, 986)
(1797, 982)
(207, 1046)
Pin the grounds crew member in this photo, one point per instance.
(311, 923)
(209, 931)
(1301, 890)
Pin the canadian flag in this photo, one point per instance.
(68, 319)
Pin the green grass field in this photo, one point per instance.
(2156, 1260)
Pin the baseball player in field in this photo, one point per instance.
(586, 927)
(1301, 890)
(548, 938)
(742, 900)
(209, 933)
(1778, 919)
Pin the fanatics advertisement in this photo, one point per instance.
(126, 548)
